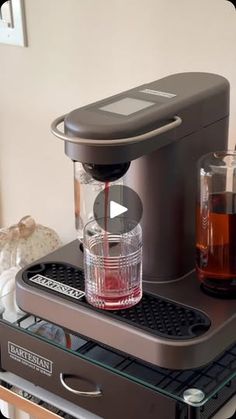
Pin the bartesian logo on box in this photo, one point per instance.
(57, 286)
(30, 359)
(167, 95)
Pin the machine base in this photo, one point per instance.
(203, 325)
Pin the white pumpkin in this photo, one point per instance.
(20, 245)
(25, 242)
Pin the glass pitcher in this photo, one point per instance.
(216, 223)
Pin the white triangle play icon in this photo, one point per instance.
(116, 209)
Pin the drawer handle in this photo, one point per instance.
(95, 393)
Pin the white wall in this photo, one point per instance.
(80, 51)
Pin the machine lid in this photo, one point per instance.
(148, 106)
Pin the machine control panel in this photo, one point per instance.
(127, 106)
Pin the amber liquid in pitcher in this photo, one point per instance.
(216, 244)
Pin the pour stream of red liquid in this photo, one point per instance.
(106, 198)
(114, 286)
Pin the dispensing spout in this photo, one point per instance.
(106, 172)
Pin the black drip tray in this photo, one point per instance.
(156, 315)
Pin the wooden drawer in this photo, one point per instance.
(28, 406)
(78, 380)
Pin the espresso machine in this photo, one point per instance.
(176, 337)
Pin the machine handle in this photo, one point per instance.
(95, 393)
(89, 141)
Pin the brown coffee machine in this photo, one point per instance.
(154, 134)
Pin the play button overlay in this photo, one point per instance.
(118, 209)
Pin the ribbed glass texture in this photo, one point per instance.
(113, 266)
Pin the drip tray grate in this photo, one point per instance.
(155, 315)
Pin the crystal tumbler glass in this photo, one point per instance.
(113, 264)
